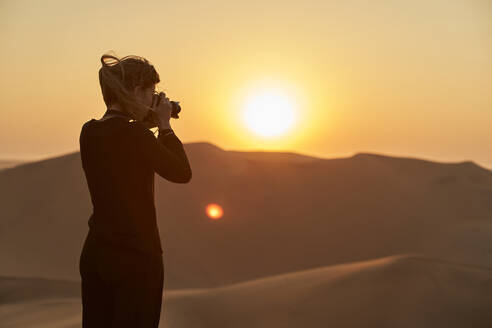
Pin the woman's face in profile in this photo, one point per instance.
(144, 96)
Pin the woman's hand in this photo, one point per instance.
(163, 111)
(160, 115)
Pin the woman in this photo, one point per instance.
(121, 263)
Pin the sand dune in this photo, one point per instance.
(8, 163)
(38, 302)
(397, 291)
(16, 289)
(43, 313)
(283, 212)
(304, 242)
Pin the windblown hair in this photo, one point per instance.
(119, 77)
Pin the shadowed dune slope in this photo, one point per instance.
(17, 289)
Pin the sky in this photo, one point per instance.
(321, 78)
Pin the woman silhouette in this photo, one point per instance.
(121, 263)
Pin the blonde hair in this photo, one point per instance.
(119, 77)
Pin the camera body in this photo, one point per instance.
(176, 108)
(156, 99)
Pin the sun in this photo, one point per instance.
(269, 113)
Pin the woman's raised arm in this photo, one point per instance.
(165, 154)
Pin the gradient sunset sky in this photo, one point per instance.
(399, 78)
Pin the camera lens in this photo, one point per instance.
(176, 108)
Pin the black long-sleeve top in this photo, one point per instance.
(119, 158)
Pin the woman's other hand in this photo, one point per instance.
(163, 111)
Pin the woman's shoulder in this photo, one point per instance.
(86, 125)
(115, 127)
(84, 130)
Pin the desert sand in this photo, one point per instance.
(395, 291)
(363, 241)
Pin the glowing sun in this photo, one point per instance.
(214, 211)
(269, 113)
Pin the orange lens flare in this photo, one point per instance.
(214, 211)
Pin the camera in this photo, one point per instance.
(176, 108)
(156, 99)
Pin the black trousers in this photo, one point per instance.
(120, 287)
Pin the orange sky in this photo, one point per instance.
(403, 78)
